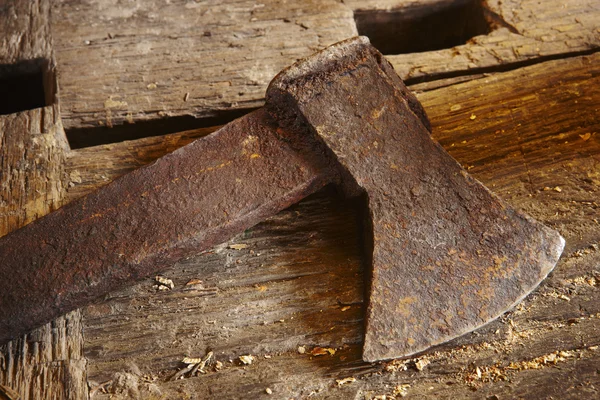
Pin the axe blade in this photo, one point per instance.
(448, 256)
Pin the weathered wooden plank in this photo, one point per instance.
(47, 363)
(155, 59)
(25, 31)
(519, 132)
(521, 32)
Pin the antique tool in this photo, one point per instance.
(447, 256)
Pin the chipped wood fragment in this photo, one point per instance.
(163, 283)
(345, 381)
(322, 351)
(238, 246)
(421, 363)
(247, 359)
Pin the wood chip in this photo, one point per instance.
(421, 363)
(341, 382)
(322, 351)
(586, 136)
(247, 359)
(401, 390)
(164, 282)
(301, 349)
(472, 117)
(194, 282)
(239, 246)
(268, 391)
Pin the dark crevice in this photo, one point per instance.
(426, 27)
(497, 68)
(87, 137)
(26, 85)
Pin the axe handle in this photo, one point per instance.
(144, 222)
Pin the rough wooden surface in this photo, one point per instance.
(154, 59)
(301, 269)
(150, 60)
(48, 362)
(531, 134)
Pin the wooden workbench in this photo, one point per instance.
(512, 89)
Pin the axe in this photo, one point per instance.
(446, 255)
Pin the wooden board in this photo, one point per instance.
(296, 281)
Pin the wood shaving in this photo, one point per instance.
(247, 359)
(194, 282)
(199, 367)
(322, 351)
(496, 373)
(421, 363)
(194, 365)
(401, 390)
(162, 282)
(345, 381)
(397, 365)
(540, 362)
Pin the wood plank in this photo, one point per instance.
(47, 363)
(154, 60)
(519, 132)
(522, 31)
(157, 59)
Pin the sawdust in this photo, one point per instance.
(402, 365)
(478, 375)
(401, 390)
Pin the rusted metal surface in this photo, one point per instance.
(144, 222)
(447, 255)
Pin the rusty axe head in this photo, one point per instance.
(446, 255)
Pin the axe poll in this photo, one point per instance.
(446, 255)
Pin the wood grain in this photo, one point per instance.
(152, 60)
(157, 59)
(300, 269)
(48, 362)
